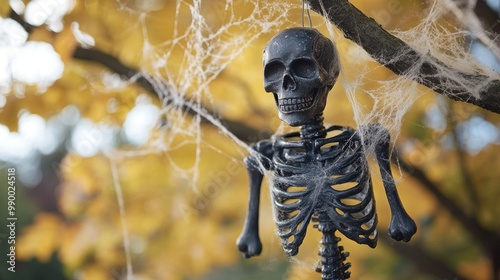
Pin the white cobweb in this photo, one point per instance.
(182, 68)
(202, 50)
(199, 52)
(204, 47)
(443, 34)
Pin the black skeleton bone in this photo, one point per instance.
(401, 227)
(319, 174)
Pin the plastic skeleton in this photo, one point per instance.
(317, 177)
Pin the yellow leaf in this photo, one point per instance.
(41, 239)
(95, 272)
(479, 270)
(77, 242)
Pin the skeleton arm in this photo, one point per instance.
(402, 227)
(249, 242)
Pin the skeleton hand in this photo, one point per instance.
(249, 244)
(402, 227)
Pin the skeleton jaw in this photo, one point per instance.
(300, 109)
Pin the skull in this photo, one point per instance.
(300, 68)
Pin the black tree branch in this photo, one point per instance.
(115, 65)
(239, 129)
(28, 27)
(399, 57)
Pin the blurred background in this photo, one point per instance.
(127, 123)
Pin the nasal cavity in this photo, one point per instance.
(288, 82)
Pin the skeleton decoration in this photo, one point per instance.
(319, 174)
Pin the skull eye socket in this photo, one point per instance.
(304, 68)
(274, 71)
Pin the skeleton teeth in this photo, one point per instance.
(294, 104)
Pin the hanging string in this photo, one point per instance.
(308, 14)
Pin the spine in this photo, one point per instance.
(313, 129)
(332, 256)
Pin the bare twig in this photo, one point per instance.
(468, 182)
(420, 258)
(123, 221)
(487, 239)
(471, 21)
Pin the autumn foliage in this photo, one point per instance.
(172, 208)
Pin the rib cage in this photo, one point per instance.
(327, 176)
